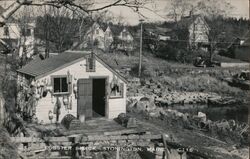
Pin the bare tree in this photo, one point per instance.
(57, 28)
(211, 8)
(178, 8)
(86, 6)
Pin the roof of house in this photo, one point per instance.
(159, 30)
(40, 67)
(187, 20)
(10, 19)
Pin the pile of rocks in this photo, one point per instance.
(164, 94)
(183, 98)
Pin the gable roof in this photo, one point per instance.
(159, 30)
(38, 68)
(188, 20)
(10, 19)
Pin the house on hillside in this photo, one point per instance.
(106, 37)
(10, 32)
(126, 40)
(18, 35)
(197, 31)
(242, 51)
(74, 82)
(95, 36)
(162, 34)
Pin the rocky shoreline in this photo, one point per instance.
(166, 98)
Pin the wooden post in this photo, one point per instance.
(140, 56)
(167, 153)
(118, 153)
(1, 110)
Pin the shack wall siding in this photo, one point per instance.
(78, 71)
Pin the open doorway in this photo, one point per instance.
(99, 97)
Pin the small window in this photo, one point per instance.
(6, 31)
(26, 32)
(60, 85)
(116, 91)
(90, 64)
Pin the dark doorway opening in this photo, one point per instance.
(99, 98)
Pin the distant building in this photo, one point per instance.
(94, 36)
(126, 40)
(18, 35)
(198, 31)
(10, 32)
(161, 33)
(242, 51)
(106, 37)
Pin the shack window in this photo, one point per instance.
(116, 91)
(90, 64)
(60, 85)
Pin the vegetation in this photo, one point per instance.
(8, 150)
(202, 83)
(57, 31)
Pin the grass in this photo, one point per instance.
(226, 59)
(202, 83)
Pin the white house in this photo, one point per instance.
(108, 38)
(198, 30)
(18, 36)
(127, 40)
(95, 34)
(103, 36)
(74, 82)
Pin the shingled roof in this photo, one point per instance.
(187, 21)
(39, 67)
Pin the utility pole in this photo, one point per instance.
(92, 37)
(140, 55)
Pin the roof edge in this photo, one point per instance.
(75, 61)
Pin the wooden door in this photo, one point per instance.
(84, 102)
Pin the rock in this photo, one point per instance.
(154, 114)
(145, 104)
(202, 116)
(156, 91)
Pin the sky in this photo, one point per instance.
(240, 9)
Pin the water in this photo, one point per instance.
(238, 113)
